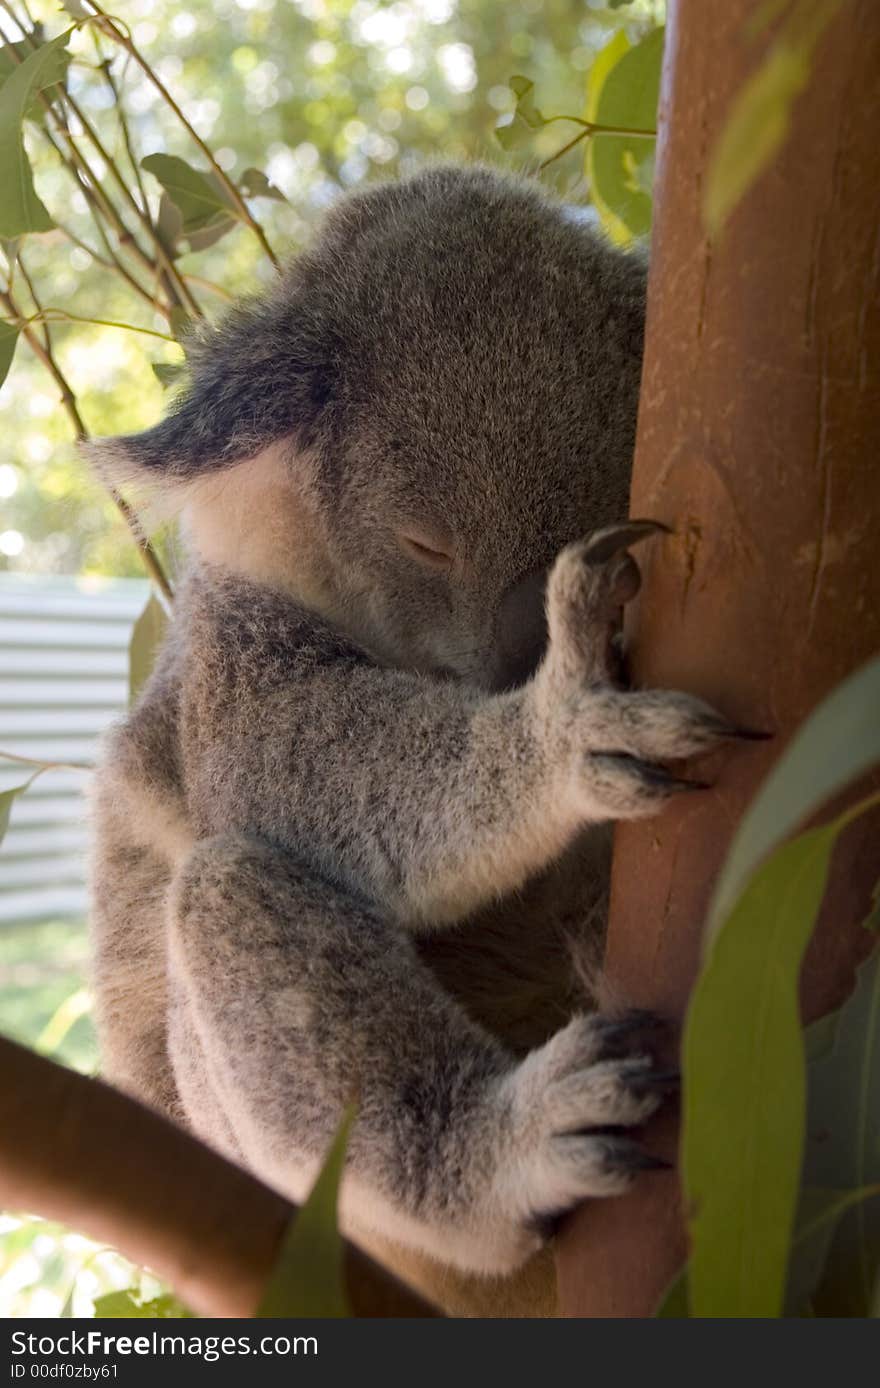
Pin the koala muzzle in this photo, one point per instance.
(520, 633)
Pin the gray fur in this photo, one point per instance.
(340, 843)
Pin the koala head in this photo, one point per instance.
(430, 403)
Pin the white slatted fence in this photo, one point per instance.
(63, 678)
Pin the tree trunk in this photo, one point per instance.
(758, 443)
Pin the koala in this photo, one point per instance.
(345, 837)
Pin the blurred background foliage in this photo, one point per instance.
(322, 95)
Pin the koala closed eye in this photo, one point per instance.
(431, 552)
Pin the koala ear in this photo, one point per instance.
(262, 375)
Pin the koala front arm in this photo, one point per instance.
(425, 797)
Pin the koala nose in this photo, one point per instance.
(520, 634)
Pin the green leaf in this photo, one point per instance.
(6, 799)
(169, 224)
(819, 1215)
(168, 373)
(755, 132)
(181, 325)
(623, 88)
(843, 1146)
(308, 1277)
(125, 1304)
(12, 55)
(20, 209)
(8, 340)
(745, 1085)
(146, 637)
(198, 199)
(760, 116)
(674, 1305)
(838, 742)
(254, 184)
(526, 116)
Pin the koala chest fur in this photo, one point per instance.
(353, 840)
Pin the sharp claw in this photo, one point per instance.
(604, 544)
(628, 1156)
(647, 1081)
(620, 1035)
(635, 1019)
(651, 773)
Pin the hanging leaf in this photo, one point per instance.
(20, 209)
(6, 799)
(197, 197)
(838, 742)
(744, 1090)
(8, 339)
(819, 1215)
(125, 1304)
(168, 373)
(760, 116)
(147, 636)
(255, 184)
(169, 225)
(526, 118)
(12, 55)
(308, 1277)
(623, 88)
(843, 1147)
(674, 1305)
(181, 325)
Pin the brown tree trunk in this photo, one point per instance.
(758, 443)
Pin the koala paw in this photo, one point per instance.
(613, 742)
(572, 1107)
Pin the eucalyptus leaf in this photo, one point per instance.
(6, 799)
(147, 636)
(837, 743)
(168, 373)
(20, 209)
(12, 55)
(843, 1146)
(745, 1086)
(169, 224)
(674, 1304)
(755, 132)
(308, 1276)
(181, 325)
(526, 117)
(819, 1215)
(254, 184)
(197, 197)
(760, 116)
(623, 89)
(8, 341)
(124, 1304)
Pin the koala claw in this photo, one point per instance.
(647, 1081)
(626, 1156)
(646, 781)
(604, 544)
(620, 1035)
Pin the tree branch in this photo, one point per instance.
(75, 1150)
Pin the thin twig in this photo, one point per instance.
(46, 355)
(62, 315)
(45, 765)
(175, 284)
(125, 41)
